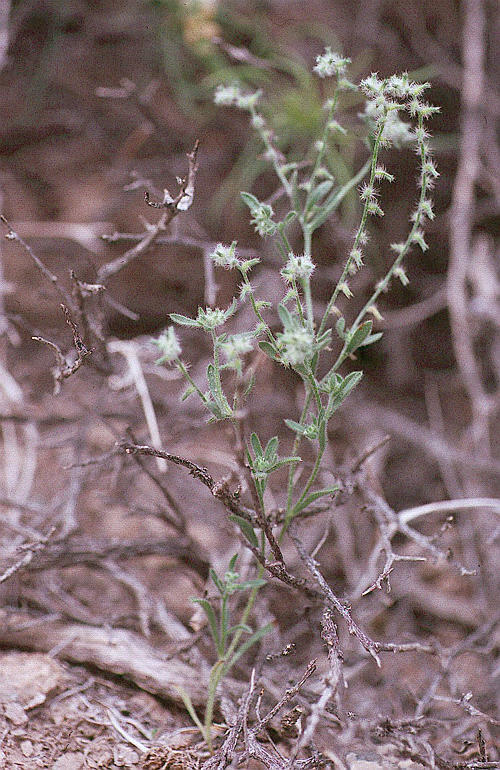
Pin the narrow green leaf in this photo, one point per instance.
(256, 636)
(183, 320)
(291, 215)
(212, 621)
(295, 426)
(337, 196)
(269, 350)
(251, 201)
(356, 338)
(246, 529)
(188, 703)
(256, 445)
(284, 461)
(312, 497)
(319, 192)
(339, 328)
(285, 316)
(271, 448)
(371, 339)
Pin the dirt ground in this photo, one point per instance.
(101, 550)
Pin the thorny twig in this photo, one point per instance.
(63, 368)
(344, 611)
(11, 235)
(172, 206)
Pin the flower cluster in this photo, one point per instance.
(330, 63)
(225, 256)
(262, 220)
(298, 268)
(233, 96)
(236, 346)
(168, 345)
(296, 345)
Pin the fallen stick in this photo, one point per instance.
(113, 650)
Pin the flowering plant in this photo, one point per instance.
(307, 343)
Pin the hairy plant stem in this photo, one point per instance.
(360, 231)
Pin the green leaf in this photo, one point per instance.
(284, 461)
(183, 320)
(212, 620)
(355, 339)
(312, 497)
(216, 580)
(215, 388)
(271, 449)
(296, 427)
(285, 316)
(256, 445)
(291, 215)
(269, 350)
(232, 562)
(339, 328)
(337, 196)
(246, 529)
(371, 339)
(239, 627)
(188, 392)
(188, 703)
(256, 636)
(251, 201)
(319, 192)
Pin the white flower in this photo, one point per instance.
(298, 267)
(329, 63)
(248, 101)
(297, 345)
(396, 131)
(236, 346)
(227, 96)
(225, 256)
(262, 219)
(169, 346)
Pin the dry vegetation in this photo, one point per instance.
(115, 497)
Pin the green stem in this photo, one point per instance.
(357, 239)
(383, 284)
(182, 368)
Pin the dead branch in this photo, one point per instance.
(173, 206)
(113, 650)
(63, 368)
(83, 550)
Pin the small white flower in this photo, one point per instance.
(168, 345)
(211, 317)
(225, 256)
(297, 345)
(329, 63)
(262, 219)
(227, 96)
(258, 121)
(396, 131)
(298, 267)
(372, 86)
(235, 346)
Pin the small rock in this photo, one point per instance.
(124, 755)
(27, 748)
(73, 760)
(15, 713)
(28, 677)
